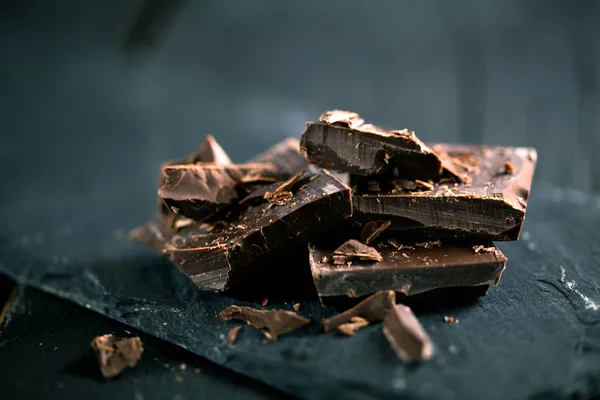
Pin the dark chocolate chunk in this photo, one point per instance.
(277, 322)
(408, 270)
(341, 141)
(218, 256)
(200, 190)
(491, 206)
(373, 229)
(373, 309)
(406, 335)
(354, 250)
(286, 157)
(115, 354)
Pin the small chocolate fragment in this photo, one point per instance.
(219, 256)
(286, 158)
(232, 335)
(115, 354)
(475, 211)
(406, 335)
(428, 245)
(482, 249)
(350, 328)
(341, 141)
(353, 249)
(282, 195)
(372, 230)
(450, 320)
(277, 322)
(411, 271)
(373, 309)
(296, 307)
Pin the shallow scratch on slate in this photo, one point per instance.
(571, 285)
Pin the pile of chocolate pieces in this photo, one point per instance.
(399, 216)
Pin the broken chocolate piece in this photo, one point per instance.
(277, 322)
(350, 328)
(428, 245)
(372, 309)
(200, 190)
(406, 335)
(414, 270)
(482, 249)
(353, 249)
(340, 141)
(232, 335)
(282, 195)
(286, 158)
(372, 230)
(475, 211)
(115, 354)
(219, 256)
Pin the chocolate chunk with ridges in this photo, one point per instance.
(341, 141)
(277, 322)
(219, 256)
(406, 335)
(200, 190)
(410, 270)
(491, 206)
(286, 157)
(115, 354)
(354, 250)
(373, 309)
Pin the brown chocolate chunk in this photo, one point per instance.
(286, 158)
(277, 322)
(406, 335)
(341, 141)
(353, 249)
(350, 328)
(115, 354)
(372, 309)
(232, 335)
(372, 230)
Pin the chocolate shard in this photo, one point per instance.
(406, 335)
(491, 206)
(219, 256)
(232, 335)
(373, 309)
(286, 158)
(198, 191)
(277, 322)
(350, 328)
(408, 270)
(115, 354)
(341, 141)
(372, 230)
(354, 250)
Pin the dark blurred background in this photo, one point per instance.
(92, 115)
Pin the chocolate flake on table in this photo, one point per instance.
(450, 320)
(341, 141)
(282, 195)
(353, 250)
(277, 322)
(472, 211)
(296, 307)
(115, 354)
(232, 335)
(350, 328)
(372, 230)
(373, 309)
(286, 158)
(409, 340)
(410, 271)
(428, 245)
(482, 249)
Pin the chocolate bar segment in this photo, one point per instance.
(286, 158)
(220, 255)
(405, 269)
(341, 141)
(491, 206)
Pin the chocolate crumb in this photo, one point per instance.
(448, 319)
(264, 302)
(429, 245)
(232, 335)
(115, 354)
(164, 324)
(182, 367)
(282, 195)
(296, 307)
(426, 185)
(405, 255)
(482, 249)
(509, 167)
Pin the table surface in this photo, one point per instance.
(84, 129)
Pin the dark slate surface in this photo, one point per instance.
(83, 130)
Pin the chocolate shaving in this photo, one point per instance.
(350, 328)
(399, 246)
(429, 245)
(296, 307)
(373, 309)
(482, 249)
(426, 185)
(115, 354)
(282, 195)
(277, 322)
(353, 249)
(373, 229)
(406, 335)
(232, 335)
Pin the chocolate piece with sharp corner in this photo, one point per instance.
(373, 309)
(491, 206)
(115, 354)
(220, 256)
(408, 270)
(354, 250)
(341, 141)
(277, 322)
(286, 157)
(409, 340)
